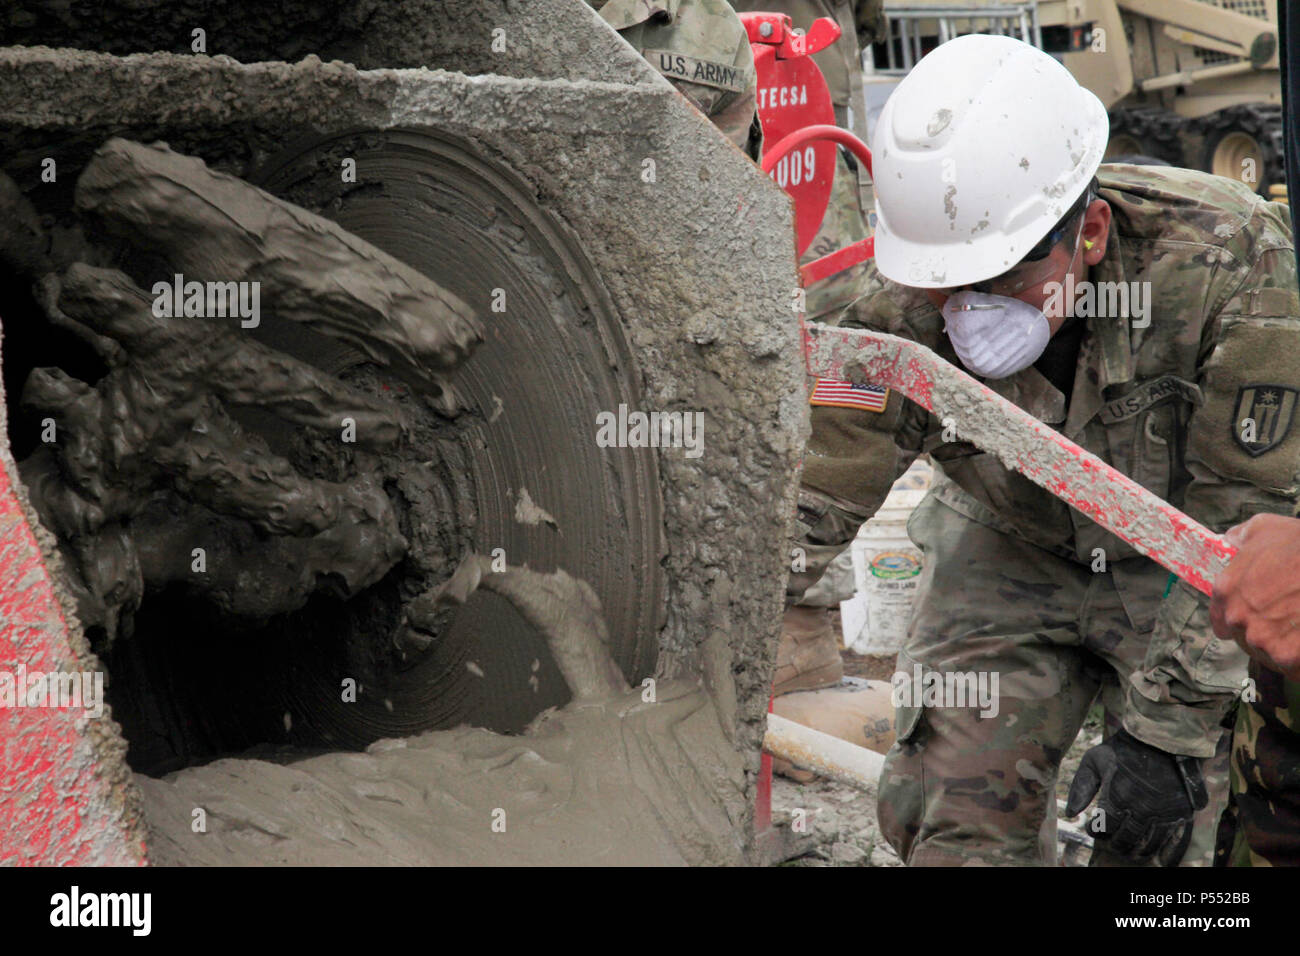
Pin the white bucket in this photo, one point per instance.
(887, 571)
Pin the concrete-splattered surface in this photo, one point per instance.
(573, 123)
(65, 793)
(616, 783)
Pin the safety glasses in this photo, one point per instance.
(1036, 266)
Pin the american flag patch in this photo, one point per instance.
(843, 395)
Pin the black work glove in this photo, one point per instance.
(1147, 799)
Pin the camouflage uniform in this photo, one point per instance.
(701, 48)
(1008, 584)
(845, 221)
(1262, 825)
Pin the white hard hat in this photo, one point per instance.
(978, 153)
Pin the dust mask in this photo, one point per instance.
(995, 336)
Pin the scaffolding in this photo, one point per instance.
(911, 28)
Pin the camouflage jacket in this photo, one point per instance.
(701, 48)
(1195, 400)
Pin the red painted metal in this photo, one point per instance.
(826, 131)
(850, 255)
(763, 797)
(792, 95)
(1039, 452)
(777, 29)
(57, 805)
(838, 261)
(820, 35)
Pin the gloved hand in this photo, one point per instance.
(1147, 798)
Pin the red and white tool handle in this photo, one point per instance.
(1040, 453)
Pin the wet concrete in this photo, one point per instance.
(614, 778)
(615, 783)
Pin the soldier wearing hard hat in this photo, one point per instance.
(1151, 315)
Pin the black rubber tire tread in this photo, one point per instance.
(1156, 130)
(1263, 121)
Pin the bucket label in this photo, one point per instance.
(893, 565)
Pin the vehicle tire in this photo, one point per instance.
(1245, 143)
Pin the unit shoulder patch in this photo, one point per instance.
(1262, 417)
(679, 66)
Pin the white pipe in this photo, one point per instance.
(822, 753)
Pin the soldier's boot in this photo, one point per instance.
(808, 656)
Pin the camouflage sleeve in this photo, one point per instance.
(713, 66)
(699, 46)
(732, 113)
(853, 456)
(1263, 818)
(1243, 456)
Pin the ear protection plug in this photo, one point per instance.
(1088, 244)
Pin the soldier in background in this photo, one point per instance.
(701, 48)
